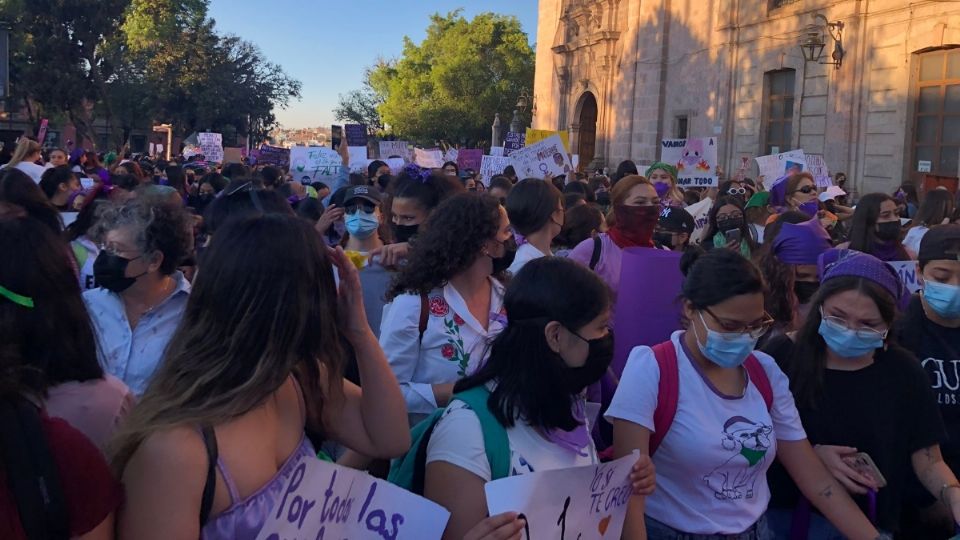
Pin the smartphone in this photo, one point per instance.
(732, 235)
(336, 135)
(863, 464)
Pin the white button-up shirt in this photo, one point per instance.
(133, 354)
(454, 342)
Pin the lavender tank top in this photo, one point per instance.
(245, 517)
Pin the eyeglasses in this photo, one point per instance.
(737, 191)
(863, 332)
(367, 206)
(756, 329)
(111, 250)
(806, 190)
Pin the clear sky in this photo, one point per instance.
(326, 45)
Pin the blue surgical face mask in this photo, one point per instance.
(847, 343)
(944, 299)
(725, 349)
(361, 224)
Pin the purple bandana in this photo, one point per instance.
(578, 439)
(801, 243)
(846, 262)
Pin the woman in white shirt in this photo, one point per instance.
(536, 212)
(24, 157)
(732, 414)
(554, 346)
(446, 303)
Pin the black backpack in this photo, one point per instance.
(31, 472)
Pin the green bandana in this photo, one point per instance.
(670, 169)
(753, 456)
(18, 299)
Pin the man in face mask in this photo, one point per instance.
(362, 218)
(673, 229)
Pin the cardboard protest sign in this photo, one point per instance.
(429, 159)
(211, 146)
(496, 151)
(700, 212)
(322, 500)
(909, 272)
(695, 159)
(513, 142)
(274, 155)
(533, 136)
(817, 166)
(469, 158)
(583, 502)
(546, 156)
(491, 166)
(389, 149)
(776, 165)
(356, 134)
(314, 164)
(232, 155)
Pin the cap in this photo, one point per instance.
(941, 242)
(367, 193)
(676, 220)
(759, 200)
(831, 193)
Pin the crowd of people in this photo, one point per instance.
(177, 337)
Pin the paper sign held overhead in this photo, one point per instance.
(537, 160)
(491, 166)
(320, 500)
(211, 146)
(533, 136)
(429, 159)
(356, 134)
(777, 165)
(273, 155)
(389, 149)
(469, 158)
(513, 142)
(817, 166)
(583, 502)
(695, 160)
(310, 164)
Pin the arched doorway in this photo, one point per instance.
(588, 129)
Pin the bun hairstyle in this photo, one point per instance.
(716, 276)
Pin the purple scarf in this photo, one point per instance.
(577, 439)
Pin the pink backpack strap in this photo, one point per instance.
(759, 379)
(668, 392)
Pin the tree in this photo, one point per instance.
(360, 106)
(450, 86)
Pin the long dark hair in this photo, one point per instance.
(529, 375)
(809, 360)
(53, 177)
(937, 205)
(712, 228)
(863, 234)
(530, 204)
(264, 306)
(52, 342)
(449, 244)
(428, 191)
(16, 187)
(713, 277)
(86, 219)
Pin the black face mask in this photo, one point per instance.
(403, 233)
(888, 231)
(729, 224)
(665, 239)
(109, 272)
(805, 290)
(599, 358)
(509, 253)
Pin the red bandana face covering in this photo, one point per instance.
(634, 225)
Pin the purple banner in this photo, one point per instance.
(273, 155)
(469, 158)
(647, 309)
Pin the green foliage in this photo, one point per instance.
(361, 106)
(449, 87)
(136, 62)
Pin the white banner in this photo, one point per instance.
(389, 149)
(584, 502)
(428, 159)
(322, 500)
(491, 166)
(695, 160)
(546, 156)
(211, 146)
(314, 164)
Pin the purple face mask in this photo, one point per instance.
(810, 208)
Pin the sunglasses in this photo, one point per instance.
(367, 206)
(806, 190)
(737, 191)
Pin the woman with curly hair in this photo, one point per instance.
(446, 302)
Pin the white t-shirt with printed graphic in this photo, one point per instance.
(458, 439)
(712, 464)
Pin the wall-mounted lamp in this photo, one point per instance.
(815, 41)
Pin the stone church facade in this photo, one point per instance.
(623, 74)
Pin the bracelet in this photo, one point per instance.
(944, 488)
